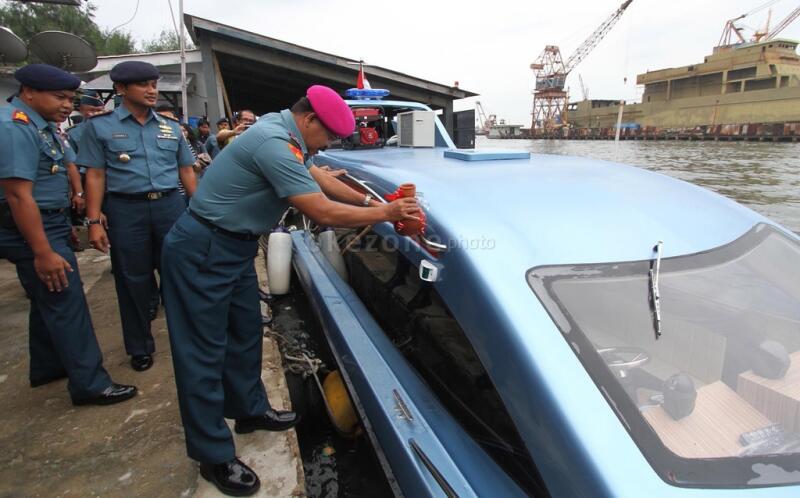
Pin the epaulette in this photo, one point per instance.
(104, 113)
(170, 117)
(20, 117)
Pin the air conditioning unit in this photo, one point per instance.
(416, 128)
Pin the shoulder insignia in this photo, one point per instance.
(297, 152)
(104, 113)
(20, 117)
(170, 118)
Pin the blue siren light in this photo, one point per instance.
(366, 93)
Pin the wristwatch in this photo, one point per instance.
(92, 221)
(367, 198)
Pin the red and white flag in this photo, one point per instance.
(362, 79)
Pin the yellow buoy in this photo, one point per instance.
(340, 407)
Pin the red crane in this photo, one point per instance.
(550, 72)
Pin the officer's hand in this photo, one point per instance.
(98, 238)
(78, 204)
(402, 209)
(333, 172)
(51, 269)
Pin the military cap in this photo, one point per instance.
(133, 72)
(91, 97)
(46, 77)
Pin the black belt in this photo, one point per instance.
(228, 233)
(52, 211)
(144, 196)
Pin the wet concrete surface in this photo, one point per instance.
(136, 448)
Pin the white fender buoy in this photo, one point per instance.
(329, 247)
(279, 261)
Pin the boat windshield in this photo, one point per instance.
(715, 400)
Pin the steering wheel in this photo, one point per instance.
(623, 358)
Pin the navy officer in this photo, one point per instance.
(90, 104)
(209, 280)
(134, 158)
(34, 235)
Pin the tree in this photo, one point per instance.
(26, 20)
(167, 40)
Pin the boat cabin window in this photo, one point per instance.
(711, 391)
(421, 326)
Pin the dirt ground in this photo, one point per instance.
(136, 448)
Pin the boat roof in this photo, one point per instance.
(556, 209)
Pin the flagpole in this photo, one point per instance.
(184, 105)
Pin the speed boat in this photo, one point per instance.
(562, 327)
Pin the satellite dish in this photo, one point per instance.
(64, 50)
(12, 48)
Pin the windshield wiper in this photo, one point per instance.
(655, 295)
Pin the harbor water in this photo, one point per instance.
(764, 176)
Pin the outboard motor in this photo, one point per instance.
(679, 396)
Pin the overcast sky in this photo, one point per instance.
(487, 46)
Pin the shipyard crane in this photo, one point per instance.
(484, 123)
(732, 34)
(783, 24)
(731, 29)
(550, 74)
(584, 90)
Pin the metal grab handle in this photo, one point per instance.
(366, 187)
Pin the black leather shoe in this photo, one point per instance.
(272, 420)
(232, 478)
(140, 363)
(46, 380)
(115, 393)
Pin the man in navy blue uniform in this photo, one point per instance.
(90, 104)
(34, 235)
(210, 285)
(134, 158)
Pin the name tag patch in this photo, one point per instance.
(119, 135)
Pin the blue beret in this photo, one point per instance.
(91, 97)
(46, 77)
(133, 72)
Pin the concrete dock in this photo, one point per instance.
(53, 449)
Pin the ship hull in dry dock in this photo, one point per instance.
(744, 91)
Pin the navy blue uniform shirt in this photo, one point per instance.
(137, 158)
(245, 190)
(32, 149)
